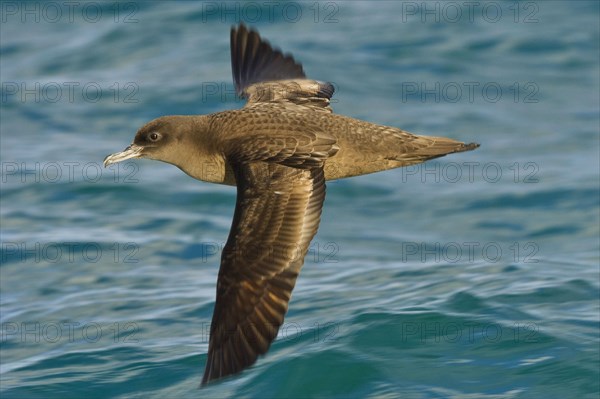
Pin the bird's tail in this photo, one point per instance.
(424, 148)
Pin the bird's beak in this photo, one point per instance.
(133, 151)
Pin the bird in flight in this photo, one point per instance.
(279, 149)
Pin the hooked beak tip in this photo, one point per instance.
(133, 151)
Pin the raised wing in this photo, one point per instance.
(253, 60)
(263, 74)
(281, 190)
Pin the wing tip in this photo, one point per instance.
(264, 63)
(325, 90)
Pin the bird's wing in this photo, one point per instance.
(263, 74)
(280, 195)
(253, 60)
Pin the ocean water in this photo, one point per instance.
(472, 276)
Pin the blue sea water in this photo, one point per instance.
(472, 276)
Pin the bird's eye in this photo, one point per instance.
(154, 136)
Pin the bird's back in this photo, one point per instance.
(364, 147)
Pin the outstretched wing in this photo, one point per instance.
(280, 195)
(263, 74)
(277, 214)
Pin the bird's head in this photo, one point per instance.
(157, 139)
(178, 140)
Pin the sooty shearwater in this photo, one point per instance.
(279, 149)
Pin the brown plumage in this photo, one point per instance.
(278, 150)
